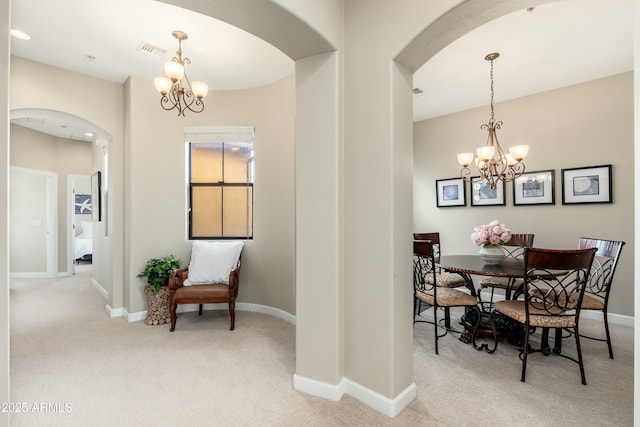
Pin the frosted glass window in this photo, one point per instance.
(221, 190)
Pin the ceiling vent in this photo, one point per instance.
(151, 49)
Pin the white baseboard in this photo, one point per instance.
(29, 275)
(614, 319)
(265, 309)
(389, 407)
(319, 388)
(114, 312)
(99, 288)
(134, 317)
(382, 404)
(241, 306)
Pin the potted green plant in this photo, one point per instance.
(157, 272)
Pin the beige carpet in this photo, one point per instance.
(65, 350)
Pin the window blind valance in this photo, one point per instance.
(219, 133)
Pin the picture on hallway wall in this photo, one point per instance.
(96, 196)
(83, 204)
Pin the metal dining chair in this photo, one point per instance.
(427, 290)
(555, 281)
(599, 284)
(444, 279)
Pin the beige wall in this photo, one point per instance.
(156, 178)
(372, 111)
(35, 85)
(155, 152)
(583, 125)
(35, 150)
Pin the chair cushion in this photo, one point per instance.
(216, 292)
(592, 303)
(540, 318)
(500, 282)
(211, 262)
(446, 280)
(448, 298)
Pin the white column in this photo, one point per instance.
(319, 257)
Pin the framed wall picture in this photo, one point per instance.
(591, 184)
(483, 195)
(534, 188)
(82, 204)
(451, 192)
(96, 214)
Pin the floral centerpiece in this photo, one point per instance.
(494, 234)
(490, 237)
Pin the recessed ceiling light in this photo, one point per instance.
(19, 34)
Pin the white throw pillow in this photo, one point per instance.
(211, 262)
(87, 229)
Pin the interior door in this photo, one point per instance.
(32, 207)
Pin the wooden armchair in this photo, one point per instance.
(212, 277)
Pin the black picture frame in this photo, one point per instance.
(534, 188)
(483, 195)
(451, 192)
(592, 184)
(96, 196)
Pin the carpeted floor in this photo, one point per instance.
(77, 367)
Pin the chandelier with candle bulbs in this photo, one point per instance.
(174, 93)
(492, 162)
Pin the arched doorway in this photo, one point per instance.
(66, 146)
(350, 121)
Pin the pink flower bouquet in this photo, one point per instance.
(492, 234)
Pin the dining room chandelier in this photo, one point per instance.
(176, 94)
(492, 162)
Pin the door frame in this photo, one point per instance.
(71, 231)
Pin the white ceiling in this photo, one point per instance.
(556, 45)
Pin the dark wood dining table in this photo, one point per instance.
(472, 265)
